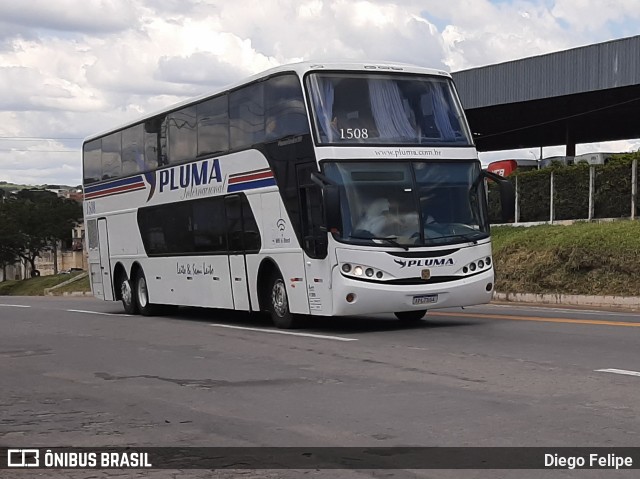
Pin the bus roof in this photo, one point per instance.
(301, 68)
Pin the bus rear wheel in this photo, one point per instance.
(281, 316)
(128, 296)
(411, 316)
(142, 296)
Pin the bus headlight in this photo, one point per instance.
(358, 270)
(480, 265)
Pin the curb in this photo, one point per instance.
(620, 302)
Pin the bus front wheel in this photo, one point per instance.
(279, 304)
(411, 316)
(142, 296)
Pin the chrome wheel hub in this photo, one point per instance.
(142, 292)
(279, 298)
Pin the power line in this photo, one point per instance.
(36, 138)
(41, 151)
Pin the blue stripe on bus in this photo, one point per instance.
(115, 191)
(250, 185)
(113, 184)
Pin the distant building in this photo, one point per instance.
(70, 254)
(598, 158)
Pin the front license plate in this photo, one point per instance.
(425, 299)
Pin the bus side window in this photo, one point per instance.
(209, 232)
(252, 240)
(112, 156)
(242, 227)
(246, 116)
(284, 108)
(183, 140)
(133, 150)
(213, 126)
(152, 143)
(314, 234)
(92, 161)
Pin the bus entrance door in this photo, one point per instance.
(237, 259)
(105, 264)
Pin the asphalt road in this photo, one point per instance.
(79, 372)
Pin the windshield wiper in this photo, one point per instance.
(468, 237)
(391, 240)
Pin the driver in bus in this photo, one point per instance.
(383, 219)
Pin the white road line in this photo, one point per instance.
(619, 371)
(95, 312)
(290, 333)
(15, 305)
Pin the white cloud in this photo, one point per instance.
(91, 16)
(483, 32)
(71, 68)
(593, 15)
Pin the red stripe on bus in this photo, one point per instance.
(256, 176)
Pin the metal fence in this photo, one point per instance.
(584, 192)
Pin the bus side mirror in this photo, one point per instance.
(331, 201)
(331, 196)
(507, 195)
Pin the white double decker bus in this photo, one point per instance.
(310, 189)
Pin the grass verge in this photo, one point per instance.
(36, 286)
(583, 258)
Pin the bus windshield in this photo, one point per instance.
(410, 203)
(376, 108)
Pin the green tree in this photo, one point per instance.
(38, 220)
(9, 244)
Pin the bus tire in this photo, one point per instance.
(128, 295)
(281, 316)
(411, 316)
(141, 293)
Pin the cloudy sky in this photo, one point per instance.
(71, 68)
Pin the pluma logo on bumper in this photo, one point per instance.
(425, 263)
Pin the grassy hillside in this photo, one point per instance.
(36, 286)
(82, 285)
(584, 258)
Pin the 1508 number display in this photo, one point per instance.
(354, 133)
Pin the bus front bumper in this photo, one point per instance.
(353, 297)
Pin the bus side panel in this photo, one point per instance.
(93, 253)
(318, 275)
(202, 281)
(279, 242)
(125, 239)
(291, 265)
(105, 259)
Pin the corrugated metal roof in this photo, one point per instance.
(600, 66)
